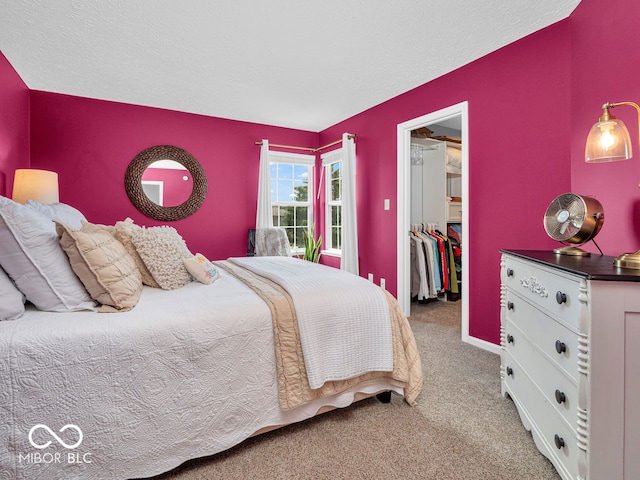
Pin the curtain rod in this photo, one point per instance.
(309, 149)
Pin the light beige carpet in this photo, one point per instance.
(461, 429)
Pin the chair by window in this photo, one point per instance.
(270, 241)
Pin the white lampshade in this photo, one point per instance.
(38, 185)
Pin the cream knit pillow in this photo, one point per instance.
(103, 265)
(162, 250)
(124, 231)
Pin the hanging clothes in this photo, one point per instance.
(433, 263)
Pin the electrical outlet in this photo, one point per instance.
(382, 283)
(371, 277)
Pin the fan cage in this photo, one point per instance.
(571, 204)
(573, 218)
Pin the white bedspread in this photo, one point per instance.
(344, 321)
(186, 373)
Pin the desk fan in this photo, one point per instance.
(575, 219)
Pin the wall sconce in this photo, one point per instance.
(38, 185)
(609, 141)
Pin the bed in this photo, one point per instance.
(195, 370)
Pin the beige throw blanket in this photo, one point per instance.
(294, 389)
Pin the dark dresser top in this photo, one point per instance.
(595, 267)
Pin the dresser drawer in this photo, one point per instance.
(554, 292)
(560, 391)
(542, 419)
(556, 341)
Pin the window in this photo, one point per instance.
(332, 164)
(291, 198)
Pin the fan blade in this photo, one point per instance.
(576, 213)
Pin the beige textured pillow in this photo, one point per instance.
(124, 231)
(103, 265)
(162, 250)
(110, 229)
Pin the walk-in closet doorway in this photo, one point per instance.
(454, 118)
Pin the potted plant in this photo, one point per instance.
(311, 246)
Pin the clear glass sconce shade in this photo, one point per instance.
(608, 141)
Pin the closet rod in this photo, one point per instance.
(309, 149)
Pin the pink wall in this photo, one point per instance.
(518, 162)
(90, 144)
(606, 68)
(14, 125)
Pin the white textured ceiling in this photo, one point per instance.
(304, 64)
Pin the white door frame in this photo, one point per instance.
(404, 205)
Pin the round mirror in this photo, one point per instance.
(147, 174)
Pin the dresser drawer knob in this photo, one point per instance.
(509, 272)
(510, 305)
(510, 338)
(561, 297)
(510, 371)
(559, 441)
(560, 396)
(560, 347)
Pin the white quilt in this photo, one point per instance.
(344, 321)
(186, 373)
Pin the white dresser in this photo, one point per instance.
(570, 338)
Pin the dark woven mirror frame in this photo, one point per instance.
(133, 183)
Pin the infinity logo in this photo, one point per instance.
(58, 439)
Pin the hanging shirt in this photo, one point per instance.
(431, 249)
(421, 262)
(443, 262)
(452, 270)
(414, 268)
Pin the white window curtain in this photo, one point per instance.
(349, 260)
(328, 159)
(264, 216)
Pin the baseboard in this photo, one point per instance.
(483, 344)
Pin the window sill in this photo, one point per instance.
(332, 253)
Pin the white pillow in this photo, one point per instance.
(32, 256)
(201, 269)
(162, 250)
(12, 304)
(58, 211)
